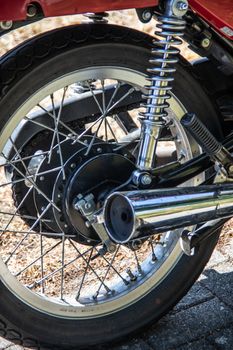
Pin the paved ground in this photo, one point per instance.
(203, 320)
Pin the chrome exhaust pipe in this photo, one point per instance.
(136, 214)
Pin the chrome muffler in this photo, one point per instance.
(136, 214)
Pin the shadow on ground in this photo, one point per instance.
(203, 319)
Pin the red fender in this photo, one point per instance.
(218, 14)
(17, 9)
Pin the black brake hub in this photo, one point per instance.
(98, 172)
(99, 176)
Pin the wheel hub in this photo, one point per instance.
(97, 171)
(98, 176)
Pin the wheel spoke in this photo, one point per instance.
(93, 95)
(120, 123)
(28, 177)
(34, 185)
(114, 269)
(73, 134)
(25, 158)
(113, 95)
(38, 282)
(17, 209)
(111, 130)
(63, 264)
(108, 109)
(15, 214)
(44, 233)
(19, 156)
(106, 273)
(42, 255)
(84, 275)
(103, 97)
(131, 90)
(56, 132)
(46, 127)
(92, 269)
(27, 234)
(94, 138)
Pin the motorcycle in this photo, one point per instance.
(116, 167)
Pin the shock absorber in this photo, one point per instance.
(164, 57)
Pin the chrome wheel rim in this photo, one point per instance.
(148, 273)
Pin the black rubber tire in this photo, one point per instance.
(26, 70)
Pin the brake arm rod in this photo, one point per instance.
(190, 168)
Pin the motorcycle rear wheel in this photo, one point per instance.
(34, 318)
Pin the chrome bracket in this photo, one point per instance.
(86, 205)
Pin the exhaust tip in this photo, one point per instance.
(119, 218)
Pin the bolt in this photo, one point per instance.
(42, 208)
(111, 247)
(182, 6)
(41, 178)
(136, 244)
(131, 275)
(87, 206)
(182, 155)
(99, 150)
(146, 16)
(73, 165)
(76, 206)
(65, 225)
(6, 25)
(205, 43)
(88, 224)
(31, 10)
(146, 179)
(231, 169)
(153, 258)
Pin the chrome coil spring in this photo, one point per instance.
(164, 58)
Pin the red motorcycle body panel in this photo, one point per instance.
(218, 14)
(16, 9)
